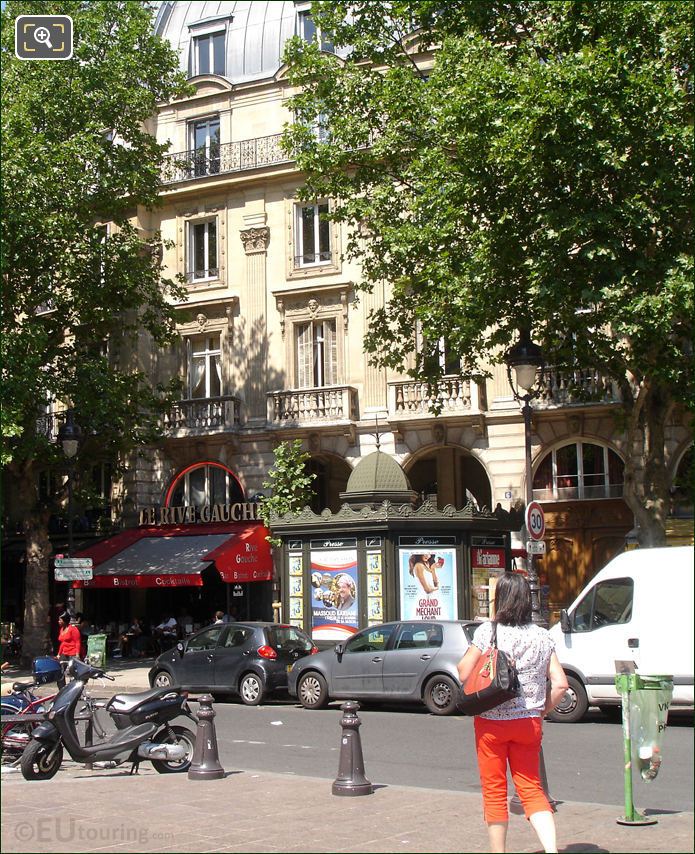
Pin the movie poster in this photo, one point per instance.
(428, 583)
(334, 614)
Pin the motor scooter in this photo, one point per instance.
(22, 700)
(143, 730)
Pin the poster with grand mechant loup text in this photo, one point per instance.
(428, 583)
(334, 613)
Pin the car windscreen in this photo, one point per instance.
(288, 639)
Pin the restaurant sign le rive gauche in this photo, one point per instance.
(241, 512)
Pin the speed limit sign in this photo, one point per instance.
(535, 521)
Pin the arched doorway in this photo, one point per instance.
(452, 475)
(332, 474)
(580, 485)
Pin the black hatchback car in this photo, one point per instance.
(251, 660)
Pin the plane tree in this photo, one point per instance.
(509, 166)
(80, 280)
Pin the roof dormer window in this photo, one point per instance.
(209, 46)
(308, 31)
(208, 54)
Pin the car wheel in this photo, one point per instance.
(162, 679)
(312, 691)
(183, 737)
(441, 695)
(251, 689)
(573, 705)
(41, 761)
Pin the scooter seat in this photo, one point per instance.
(125, 703)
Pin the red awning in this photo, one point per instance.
(175, 556)
(246, 557)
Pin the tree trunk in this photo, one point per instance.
(646, 483)
(36, 637)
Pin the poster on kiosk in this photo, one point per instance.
(428, 579)
(334, 613)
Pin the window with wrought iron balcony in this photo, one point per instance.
(206, 409)
(316, 395)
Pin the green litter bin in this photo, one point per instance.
(646, 700)
(96, 650)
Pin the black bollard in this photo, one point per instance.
(206, 762)
(351, 779)
(515, 804)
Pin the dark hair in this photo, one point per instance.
(414, 559)
(512, 600)
(65, 618)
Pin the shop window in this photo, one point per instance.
(204, 367)
(209, 53)
(581, 470)
(204, 140)
(202, 250)
(316, 354)
(204, 485)
(312, 235)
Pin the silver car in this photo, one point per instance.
(391, 662)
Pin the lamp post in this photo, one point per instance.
(525, 365)
(69, 437)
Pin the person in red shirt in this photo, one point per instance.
(69, 639)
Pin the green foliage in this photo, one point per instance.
(76, 155)
(539, 175)
(289, 483)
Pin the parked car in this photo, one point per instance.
(250, 660)
(396, 662)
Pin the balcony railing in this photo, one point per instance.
(415, 399)
(222, 159)
(329, 404)
(48, 424)
(567, 386)
(205, 414)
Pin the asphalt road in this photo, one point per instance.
(401, 746)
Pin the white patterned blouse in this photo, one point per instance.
(530, 647)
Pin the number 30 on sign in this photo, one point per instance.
(535, 521)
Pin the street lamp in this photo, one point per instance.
(525, 365)
(69, 437)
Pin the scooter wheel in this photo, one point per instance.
(41, 761)
(182, 736)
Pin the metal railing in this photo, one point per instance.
(48, 424)
(332, 403)
(563, 386)
(222, 159)
(210, 413)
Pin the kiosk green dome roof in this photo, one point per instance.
(377, 472)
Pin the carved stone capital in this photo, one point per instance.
(255, 239)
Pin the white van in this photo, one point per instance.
(639, 608)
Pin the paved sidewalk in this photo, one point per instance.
(130, 675)
(252, 811)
